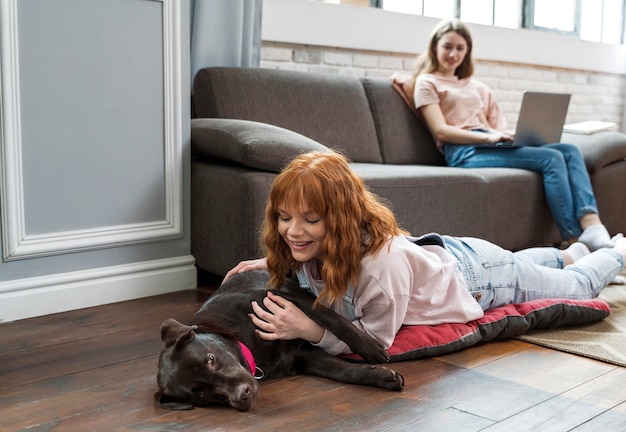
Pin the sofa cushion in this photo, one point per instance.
(253, 144)
(465, 201)
(330, 109)
(403, 138)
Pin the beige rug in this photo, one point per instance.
(604, 341)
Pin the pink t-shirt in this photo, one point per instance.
(461, 101)
(404, 284)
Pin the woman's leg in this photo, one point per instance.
(594, 234)
(553, 257)
(543, 256)
(501, 277)
(582, 193)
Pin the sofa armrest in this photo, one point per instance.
(599, 149)
(253, 144)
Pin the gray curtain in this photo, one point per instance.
(225, 33)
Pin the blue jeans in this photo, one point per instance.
(496, 277)
(565, 179)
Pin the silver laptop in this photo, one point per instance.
(540, 120)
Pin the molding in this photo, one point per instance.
(17, 244)
(27, 298)
(11, 192)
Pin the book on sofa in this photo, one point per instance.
(589, 127)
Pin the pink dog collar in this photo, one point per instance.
(249, 358)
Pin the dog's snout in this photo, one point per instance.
(245, 395)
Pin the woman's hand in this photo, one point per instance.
(494, 136)
(283, 321)
(243, 266)
(444, 133)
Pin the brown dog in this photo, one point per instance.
(219, 358)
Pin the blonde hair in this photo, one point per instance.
(357, 221)
(427, 62)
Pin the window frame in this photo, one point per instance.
(527, 18)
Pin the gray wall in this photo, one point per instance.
(95, 142)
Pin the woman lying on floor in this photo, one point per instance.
(324, 226)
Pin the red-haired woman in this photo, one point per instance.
(323, 226)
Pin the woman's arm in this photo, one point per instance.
(256, 264)
(442, 132)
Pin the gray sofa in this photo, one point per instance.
(248, 123)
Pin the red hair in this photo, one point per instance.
(357, 221)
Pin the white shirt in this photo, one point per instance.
(404, 284)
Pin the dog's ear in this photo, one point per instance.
(170, 402)
(174, 332)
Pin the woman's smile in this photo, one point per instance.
(304, 231)
(299, 245)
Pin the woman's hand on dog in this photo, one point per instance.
(283, 320)
(248, 265)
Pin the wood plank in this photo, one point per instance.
(77, 357)
(546, 369)
(99, 321)
(565, 411)
(484, 353)
(610, 420)
(65, 386)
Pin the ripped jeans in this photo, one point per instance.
(496, 277)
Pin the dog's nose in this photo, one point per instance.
(245, 396)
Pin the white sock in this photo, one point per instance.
(619, 280)
(577, 250)
(620, 243)
(596, 237)
(619, 240)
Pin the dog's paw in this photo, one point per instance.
(370, 349)
(391, 380)
(374, 354)
(398, 383)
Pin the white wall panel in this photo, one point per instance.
(92, 142)
(94, 153)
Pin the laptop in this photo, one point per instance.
(540, 120)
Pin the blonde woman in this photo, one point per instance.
(461, 113)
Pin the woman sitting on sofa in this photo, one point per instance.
(460, 113)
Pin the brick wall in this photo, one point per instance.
(595, 96)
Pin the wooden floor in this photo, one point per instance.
(94, 370)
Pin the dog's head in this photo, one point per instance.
(197, 369)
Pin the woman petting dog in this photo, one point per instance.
(325, 227)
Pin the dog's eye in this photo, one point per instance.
(202, 396)
(210, 359)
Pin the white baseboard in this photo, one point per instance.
(27, 298)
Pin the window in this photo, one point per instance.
(501, 13)
(593, 20)
(602, 21)
(557, 15)
(433, 8)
